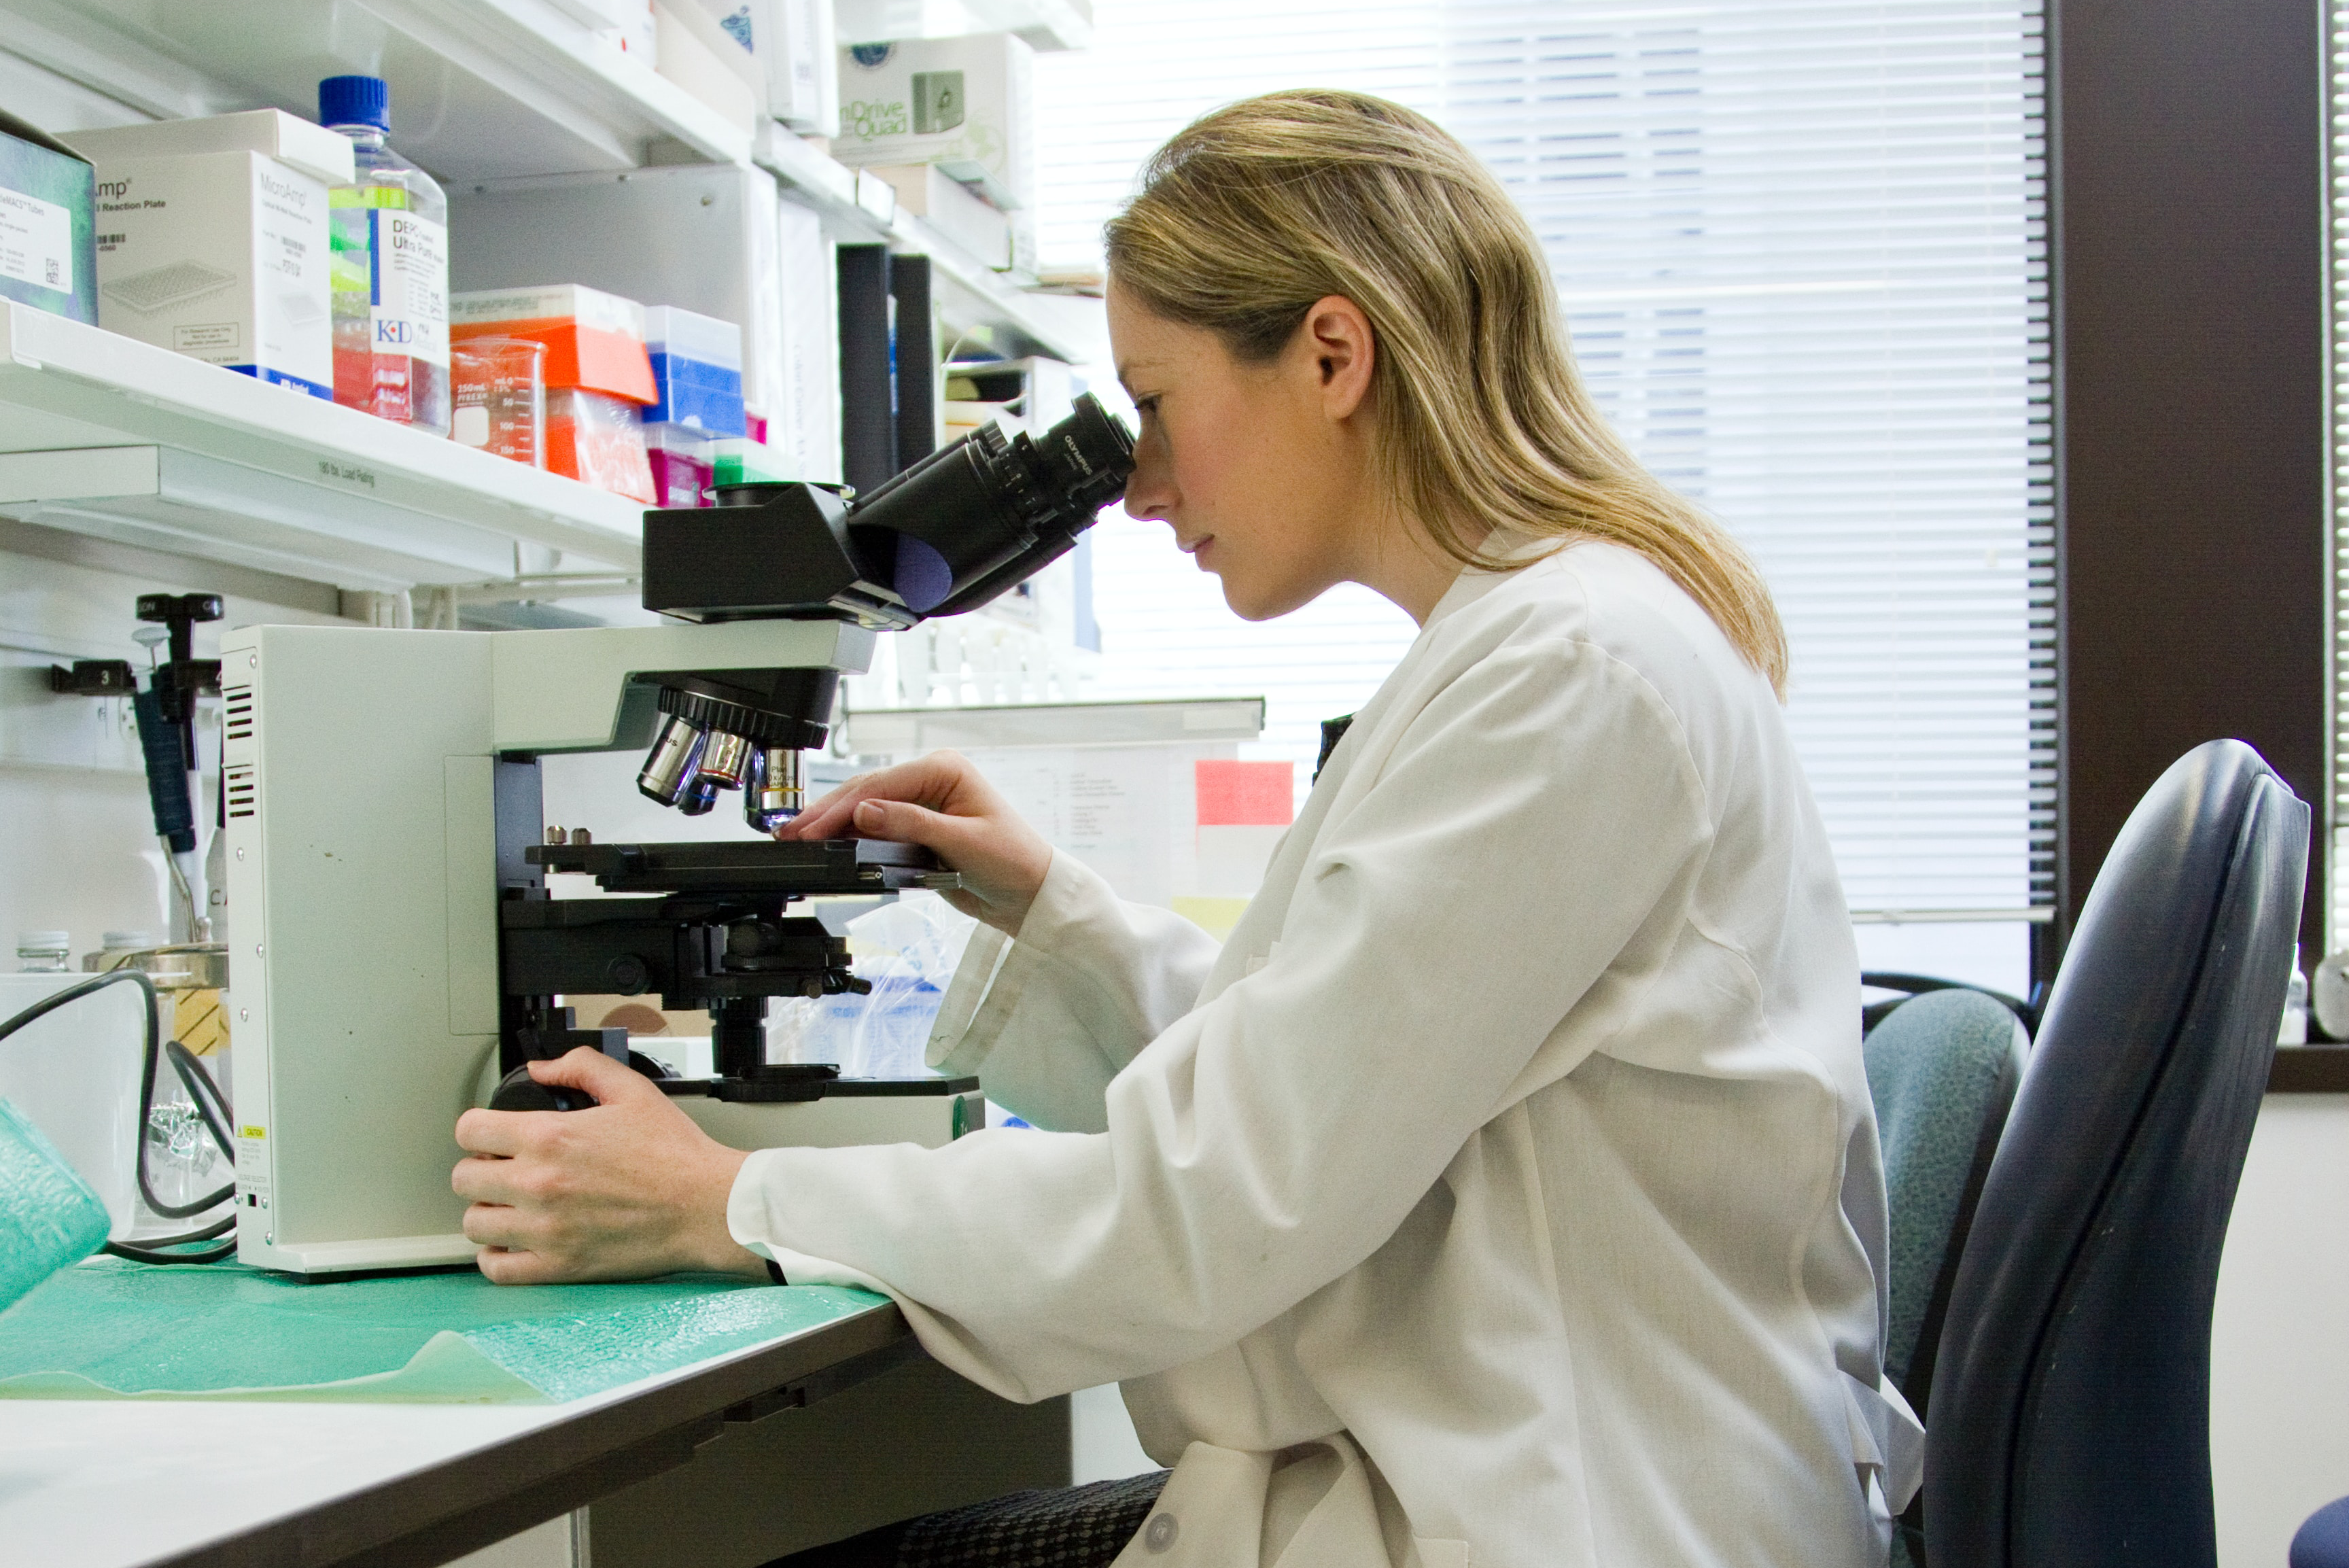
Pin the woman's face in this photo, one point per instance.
(1261, 470)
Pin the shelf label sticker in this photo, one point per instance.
(36, 242)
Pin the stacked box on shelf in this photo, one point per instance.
(598, 374)
(966, 104)
(948, 205)
(697, 362)
(792, 40)
(49, 254)
(214, 240)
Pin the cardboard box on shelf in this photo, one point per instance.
(323, 155)
(965, 103)
(223, 257)
(695, 53)
(931, 194)
(798, 60)
(49, 254)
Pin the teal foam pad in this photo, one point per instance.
(49, 1218)
(114, 1329)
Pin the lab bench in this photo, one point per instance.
(727, 1463)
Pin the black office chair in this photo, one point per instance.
(2071, 1400)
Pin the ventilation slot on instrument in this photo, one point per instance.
(244, 792)
(236, 716)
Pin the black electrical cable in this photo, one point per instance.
(152, 1063)
(147, 1077)
(205, 1095)
(148, 1254)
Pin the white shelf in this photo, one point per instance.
(487, 89)
(968, 292)
(109, 437)
(481, 90)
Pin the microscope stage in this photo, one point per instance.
(753, 866)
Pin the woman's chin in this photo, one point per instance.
(1263, 601)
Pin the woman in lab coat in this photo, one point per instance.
(1504, 1191)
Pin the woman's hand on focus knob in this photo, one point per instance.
(941, 803)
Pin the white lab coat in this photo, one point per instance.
(1504, 1191)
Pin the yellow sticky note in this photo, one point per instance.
(1215, 916)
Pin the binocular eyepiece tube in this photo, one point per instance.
(946, 535)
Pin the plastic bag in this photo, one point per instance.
(909, 950)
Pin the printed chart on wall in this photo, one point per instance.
(1111, 807)
(1190, 828)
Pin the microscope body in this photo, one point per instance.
(384, 822)
(395, 957)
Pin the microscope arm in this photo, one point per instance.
(565, 690)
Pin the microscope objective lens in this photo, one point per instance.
(725, 759)
(671, 763)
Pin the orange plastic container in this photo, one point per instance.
(593, 340)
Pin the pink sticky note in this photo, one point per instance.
(1245, 794)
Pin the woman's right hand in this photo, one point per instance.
(941, 803)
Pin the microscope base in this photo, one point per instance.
(932, 1112)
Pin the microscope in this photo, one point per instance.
(396, 954)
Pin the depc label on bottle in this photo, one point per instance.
(408, 303)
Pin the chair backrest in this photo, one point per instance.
(1874, 1013)
(2071, 1402)
(1942, 1069)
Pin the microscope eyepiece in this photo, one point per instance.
(959, 527)
(967, 521)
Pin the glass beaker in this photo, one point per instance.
(501, 394)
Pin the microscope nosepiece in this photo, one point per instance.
(669, 766)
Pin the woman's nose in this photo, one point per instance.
(1149, 489)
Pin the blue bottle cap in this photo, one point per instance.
(355, 100)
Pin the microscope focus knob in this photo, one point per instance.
(627, 975)
(520, 1091)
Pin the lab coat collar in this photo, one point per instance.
(1474, 582)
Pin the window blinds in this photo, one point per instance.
(1802, 250)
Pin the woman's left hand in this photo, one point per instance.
(626, 1189)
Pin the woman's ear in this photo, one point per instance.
(1338, 338)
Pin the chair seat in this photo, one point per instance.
(2324, 1540)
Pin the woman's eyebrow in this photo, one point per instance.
(1126, 370)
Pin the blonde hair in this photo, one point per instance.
(1259, 208)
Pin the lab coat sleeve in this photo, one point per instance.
(1048, 1019)
(1536, 815)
